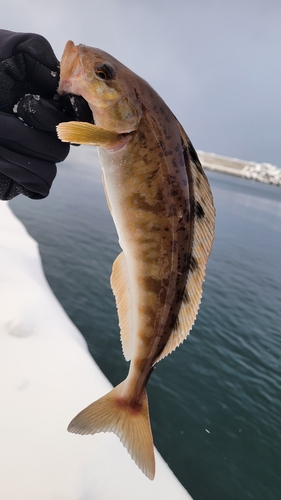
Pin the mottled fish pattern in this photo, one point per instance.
(162, 206)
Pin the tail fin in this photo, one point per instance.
(131, 424)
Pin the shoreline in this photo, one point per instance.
(262, 172)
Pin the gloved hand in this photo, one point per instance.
(29, 147)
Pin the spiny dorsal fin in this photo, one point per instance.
(120, 285)
(203, 212)
(86, 133)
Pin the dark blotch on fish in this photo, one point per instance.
(174, 323)
(153, 174)
(163, 294)
(193, 264)
(185, 298)
(193, 154)
(151, 284)
(139, 201)
(199, 210)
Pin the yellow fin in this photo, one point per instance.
(111, 413)
(203, 235)
(86, 133)
(120, 285)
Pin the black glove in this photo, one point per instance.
(29, 147)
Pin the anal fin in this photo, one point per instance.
(121, 288)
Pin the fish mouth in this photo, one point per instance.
(71, 69)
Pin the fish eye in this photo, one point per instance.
(104, 72)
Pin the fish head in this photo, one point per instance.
(105, 83)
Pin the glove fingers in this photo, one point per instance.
(19, 77)
(41, 78)
(9, 188)
(34, 175)
(45, 114)
(36, 46)
(42, 66)
(40, 113)
(30, 142)
(27, 65)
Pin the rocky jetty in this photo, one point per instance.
(262, 172)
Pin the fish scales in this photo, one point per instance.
(149, 203)
(162, 207)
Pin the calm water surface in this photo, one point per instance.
(215, 403)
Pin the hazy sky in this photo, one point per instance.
(216, 63)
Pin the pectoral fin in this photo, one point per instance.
(86, 133)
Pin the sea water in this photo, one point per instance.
(215, 403)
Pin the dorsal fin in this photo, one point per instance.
(203, 212)
(120, 285)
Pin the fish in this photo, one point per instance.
(162, 206)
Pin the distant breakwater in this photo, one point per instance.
(262, 172)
